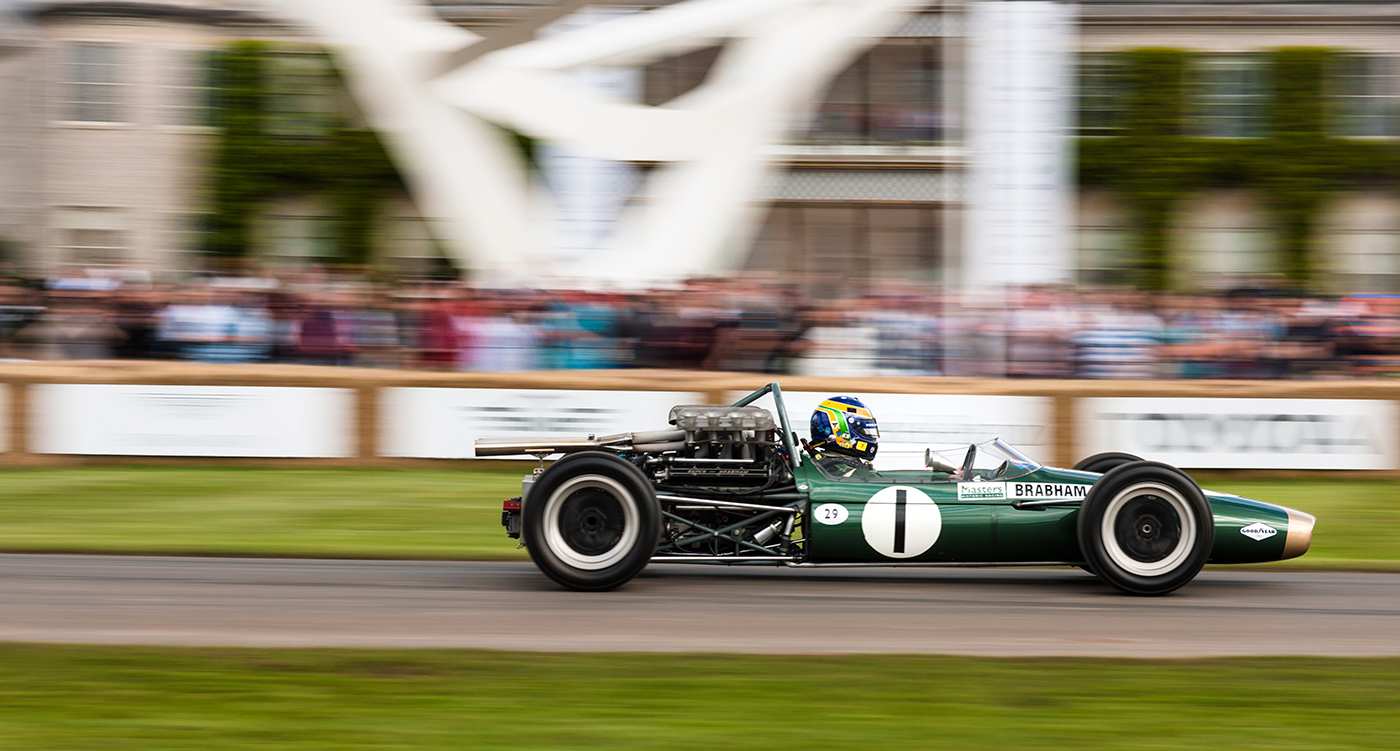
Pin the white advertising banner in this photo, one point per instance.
(910, 423)
(1243, 433)
(444, 423)
(224, 421)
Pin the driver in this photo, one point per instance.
(844, 437)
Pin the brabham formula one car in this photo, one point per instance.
(729, 485)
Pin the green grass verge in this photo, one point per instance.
(455, 513)
(1358, 521)
(435, 513)
(64, 697)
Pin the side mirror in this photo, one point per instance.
(936, 464)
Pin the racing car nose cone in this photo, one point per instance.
(1300, 529)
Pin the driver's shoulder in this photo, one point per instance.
(845, 466)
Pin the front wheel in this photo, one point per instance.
(1146, 528)
(1102, 463)
(591, 522)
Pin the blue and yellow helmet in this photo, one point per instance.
(843, 425)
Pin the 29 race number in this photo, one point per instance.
(830, 513)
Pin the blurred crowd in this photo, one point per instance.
(731, 325)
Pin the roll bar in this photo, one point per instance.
(777, 392)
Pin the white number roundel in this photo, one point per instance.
(830, 513)
(901, 522)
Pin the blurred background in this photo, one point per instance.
(1148, 189)
(500, 219)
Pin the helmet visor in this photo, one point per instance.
(863, 428)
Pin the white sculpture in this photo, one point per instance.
(696, 213)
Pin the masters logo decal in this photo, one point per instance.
(1044, 491)
(1020, 491)
(981, 491)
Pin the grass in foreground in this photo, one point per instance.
(60, 697)
(455, 513)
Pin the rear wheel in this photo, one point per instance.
(1146, 528)
(1102, 463)
(591, 521)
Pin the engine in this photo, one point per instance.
(721, 476)
(726, 449)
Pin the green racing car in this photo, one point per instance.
(733, 485)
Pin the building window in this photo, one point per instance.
(405, 244)
(1369, 261)
(94, 83)
(1101, 88)
(190, 88)
(1231, 97)
(90, 236)
(892, 94)
(905, 244)
(183, 239)
(1366, 96)
(843, 116)
(91, 247)
(1232, 255)
(303, 101)
(302, 238)
(840, 249)
(1105, 255)
(904, 93)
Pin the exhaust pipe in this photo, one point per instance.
(649, 441)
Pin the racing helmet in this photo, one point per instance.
(843, 425)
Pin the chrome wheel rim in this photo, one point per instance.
(590, 522)
(1148, 529)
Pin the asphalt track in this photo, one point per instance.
(998, 612)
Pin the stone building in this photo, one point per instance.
(105, 144)
(1238, 98)
(108, 106)
(107, 138)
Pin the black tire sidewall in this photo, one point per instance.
(1091, 514)
(1106, 461)
(648, 521)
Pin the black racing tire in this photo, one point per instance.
(1102, 463)
(1146, 528)
(591, 522)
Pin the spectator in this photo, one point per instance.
(325, 336)
(1119, 339)
(738, 325)
(73, 329)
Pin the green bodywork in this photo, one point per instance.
(996, 520)
(995, 530)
